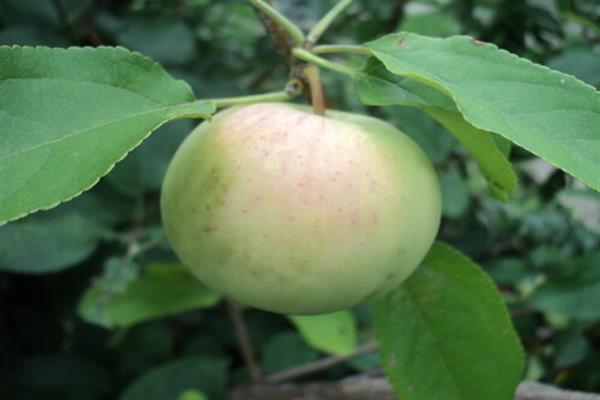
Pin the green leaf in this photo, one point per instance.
(581, 62)
(192, 394)
(145, 344)
(47, 243)
(438, 24)
(57, 377)
(170, 380)
(118, 274)
(574, 293)
(68, 115)
(549, 113)
(571, 348)
(485, 151)
(508, 270)
(445, 333)
(377, 86)
(286, 350)
(455, 194)
(431, 137)
(162, 289)
(333, 333)
(168, 40)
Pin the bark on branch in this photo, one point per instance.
(376, 388)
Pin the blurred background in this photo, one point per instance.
(93, 303)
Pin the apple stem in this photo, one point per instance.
(321, 26)
(244, 341)
(311, 72)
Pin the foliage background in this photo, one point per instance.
(542, 247)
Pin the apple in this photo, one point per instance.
(296, 213)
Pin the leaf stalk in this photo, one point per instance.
(311, 58)
(324, 23)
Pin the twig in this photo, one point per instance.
(377, 388)
(278, 35)
(319, 365)
(539, 391)
(281, 20)
(244, 340)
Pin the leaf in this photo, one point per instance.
(68, 115)
(57, 377)
(431, 137)
(192, 395)
(118, 274)
(581, 62)
(170, 380)
(571, 348)
(508, 270)
(377, 86)
(333, 333)
(163, 289)
(60, 238)
(549, 113)
(168, 40)
(445, 333)
(47, 243)
(143, 345)
(574, 294)
(489, 157)
(435, 24)
(285, 350)
(455, 194)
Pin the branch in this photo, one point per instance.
(281, 20)
(244, 340)
(278, 35)
(319, 365)
(539, 391)
(373, 388)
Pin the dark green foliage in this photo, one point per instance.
(541, 247)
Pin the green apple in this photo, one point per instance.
(291, 212)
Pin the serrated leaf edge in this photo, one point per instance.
(446, 91)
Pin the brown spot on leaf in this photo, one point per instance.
(209, 229)
(401, 43)
(477, 42)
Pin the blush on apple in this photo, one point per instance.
(296, 213)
